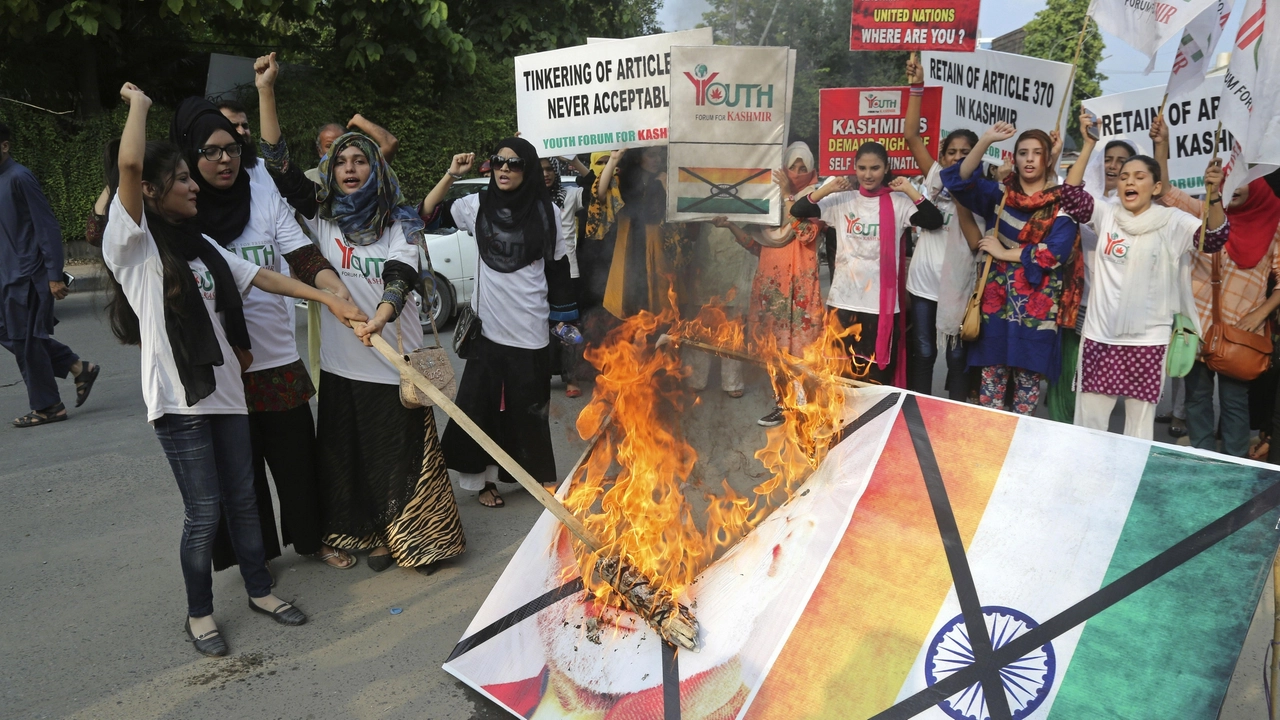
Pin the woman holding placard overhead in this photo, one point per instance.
(943, 268)
(869, 288)
(1034, 277)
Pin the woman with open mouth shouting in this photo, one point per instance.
(1036, 277)
(1140, 279)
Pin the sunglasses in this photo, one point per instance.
(512, 163)
(213, 153)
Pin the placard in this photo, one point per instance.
(600, 96)
(982, 88)
(849, 117)
(728, 128)
(1192, 121)
(914, 25)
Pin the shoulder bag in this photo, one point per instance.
(971, 326)
(430, 362)
(1184, 347)
(467, 330)
(1229, 350)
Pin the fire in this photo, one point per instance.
(630, 493)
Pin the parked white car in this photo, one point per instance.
(453, 258)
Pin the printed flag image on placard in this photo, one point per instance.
(724, 190)
(946, 561)
(914, 25)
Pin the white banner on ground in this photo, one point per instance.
(1251, 96)
(982, 88)
(1191, 119)
(1146, 24)
(729, 122)
(599, 96)
(1195, 49)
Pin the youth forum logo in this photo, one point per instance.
(709, 92)
(879, 102)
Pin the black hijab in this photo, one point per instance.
(514, 228)
(186, 322)
(223, 214)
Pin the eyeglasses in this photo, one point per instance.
(213, 153)
(512, 163)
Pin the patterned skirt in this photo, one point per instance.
(382, 476)
(1134, 371)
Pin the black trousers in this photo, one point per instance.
(285, 442)
(864, 347)
(507, 392)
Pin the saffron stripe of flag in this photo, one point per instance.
(725, 176)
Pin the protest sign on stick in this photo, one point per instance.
(599, 96)
(982, 88)
(1146, 25)
(849, 117)
(729, 114)
(1251, 98)
(1195, 48)
(914, 25)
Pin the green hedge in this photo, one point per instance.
(431, 123)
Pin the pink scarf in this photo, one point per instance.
(892, 287)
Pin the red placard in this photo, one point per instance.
(849, 117)
(914, 25)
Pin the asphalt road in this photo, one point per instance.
(92, 596)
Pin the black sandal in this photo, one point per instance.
(209, 644)
(84, 381)
(492, 490)
(51, 414)
(285, 614)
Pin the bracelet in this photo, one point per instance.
(455, 177)
(917, 91)
(1216, 200)
(920, 199)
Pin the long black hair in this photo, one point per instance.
(160, 166)
(875, 148)
(962, 134)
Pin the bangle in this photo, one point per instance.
(455, 177)
(917, 91)
(920, 200)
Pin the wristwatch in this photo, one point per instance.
(455, 177)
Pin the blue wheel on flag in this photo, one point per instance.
(1026, 681)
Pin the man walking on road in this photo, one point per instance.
(31, 278)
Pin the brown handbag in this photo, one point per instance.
(430, 362)
(1229, 350)
(971, 327)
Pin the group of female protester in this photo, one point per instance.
(1076, 286)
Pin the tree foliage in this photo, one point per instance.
(1053, 35)
(819, 33)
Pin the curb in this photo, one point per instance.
(89, 278)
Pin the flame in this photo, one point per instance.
(630, 493)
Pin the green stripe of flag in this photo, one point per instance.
(1168, 650)
(723, 206)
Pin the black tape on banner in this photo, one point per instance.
(511, 619)
(670, 682)
(872, 413)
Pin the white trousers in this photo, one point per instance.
(700, 363)
(476, 481)
(1094, 411)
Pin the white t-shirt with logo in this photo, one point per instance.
(1101, 323)
(271, 233)
(360, 268)
(130, 253)
(569, 224)
(856, 285)
(512, 306)
(925, 274)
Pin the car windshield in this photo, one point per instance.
(463, 189)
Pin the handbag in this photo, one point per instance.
(971, 326)
(1229, 350)
(1184, 347)
(430, 362)
(467, 330)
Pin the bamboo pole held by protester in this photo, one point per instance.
(1066, 97)
(1204, 215)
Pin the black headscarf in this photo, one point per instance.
(514, 228)
(556, 189)
(223, 214)
(187, 324)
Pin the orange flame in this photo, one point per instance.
(630, 493)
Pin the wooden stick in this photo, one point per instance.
(591, 445)
(1164, 103)
(1066, 98)
(739, 355)
(522, 476)
(1204, 215)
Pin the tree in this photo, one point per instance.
(819, 33)
(1053, 35)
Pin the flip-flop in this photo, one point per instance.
(52, 414)
(85, 380)
(572, 392)
(351, 559)
(493, 493)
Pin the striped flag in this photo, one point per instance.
(1250, 108)
(946, 561)
(724, 191)
(1146, 25)
(1195, 49)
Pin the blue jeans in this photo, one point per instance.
(922, 353)
(212, 460)
(1233, 402)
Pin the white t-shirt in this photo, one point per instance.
(569, 224)
(856, 285)
(271, 233)
(360, 268)
(925, 274)
(1108, 270)
(131, 255)
(512, 306)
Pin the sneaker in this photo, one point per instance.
(773, 419)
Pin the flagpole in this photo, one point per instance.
(1066, 97)
(1204, 216)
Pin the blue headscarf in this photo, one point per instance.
(366, 213)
